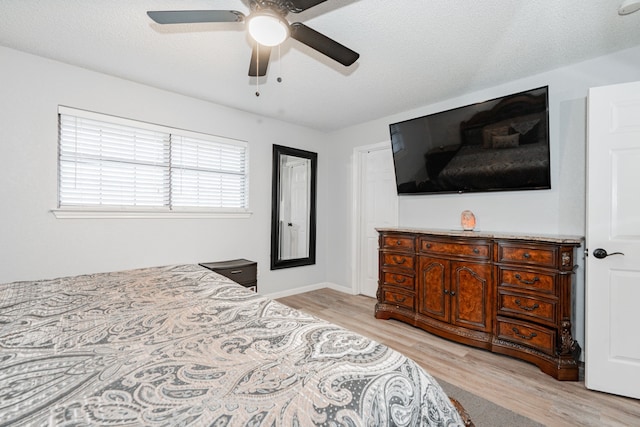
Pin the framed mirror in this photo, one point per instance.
(293, 207)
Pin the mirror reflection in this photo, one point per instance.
(293, 204)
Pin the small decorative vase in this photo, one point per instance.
(468, 220)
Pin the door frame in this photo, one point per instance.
(356, 206)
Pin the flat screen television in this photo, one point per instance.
(497, 145)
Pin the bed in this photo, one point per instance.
(500, 148)
(527, 166)
(182, 345)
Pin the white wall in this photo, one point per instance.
(35, 245)
(560, 210)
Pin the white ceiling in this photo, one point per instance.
(412, 52)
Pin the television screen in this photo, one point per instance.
(497, 145)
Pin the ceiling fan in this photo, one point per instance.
(268, 27)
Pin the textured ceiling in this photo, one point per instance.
(412, 52)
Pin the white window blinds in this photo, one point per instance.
(207, 174)
(110, 162)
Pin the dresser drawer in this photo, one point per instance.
(476, 250)
(535, 281)
(398, 279)
(239, 274)
(398, 242)
(398, 299)
(394, 259)
(528, 334)
(538, 255)
(527, 306)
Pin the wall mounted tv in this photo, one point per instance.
(497, 145)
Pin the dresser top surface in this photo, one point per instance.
(234, 263)
(554, 238)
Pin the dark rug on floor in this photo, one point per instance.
(484, 413)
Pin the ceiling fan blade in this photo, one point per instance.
(195, 16)
(323, 44)
(259, 60)
(297, 6)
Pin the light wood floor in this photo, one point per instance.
(511, 383)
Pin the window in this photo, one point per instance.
(111, 164)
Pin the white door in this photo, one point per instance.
(378, 208)
(300, 206)
(612, 353)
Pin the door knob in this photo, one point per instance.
(601, 253)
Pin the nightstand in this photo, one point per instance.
(241, 271)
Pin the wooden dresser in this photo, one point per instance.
(502, 292)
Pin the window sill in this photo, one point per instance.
(145, 214)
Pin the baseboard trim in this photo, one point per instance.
(309, 288)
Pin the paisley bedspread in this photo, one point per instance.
(182, 345)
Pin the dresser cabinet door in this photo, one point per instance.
(456, 292)
(433, 285)
(471, 295)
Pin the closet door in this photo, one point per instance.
(377, 207)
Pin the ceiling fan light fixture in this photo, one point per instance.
(268, 29)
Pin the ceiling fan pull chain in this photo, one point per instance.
(257, 68)
(279, 79)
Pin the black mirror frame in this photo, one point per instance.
(276, 263)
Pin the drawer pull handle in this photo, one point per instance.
(428, 245)
(446, 291)
(399, 279)
(527, 307)
(476, 250)
(526, 255)
(527, 282)
(399, 260)
(236, 271)
(399, 242)
(453, 293)
(516, 331)
(399, 299)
